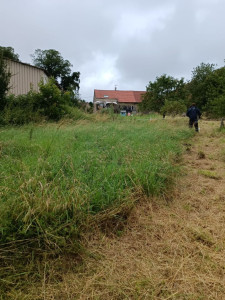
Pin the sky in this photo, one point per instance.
(122, 43)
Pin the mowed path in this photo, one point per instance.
(172, 249)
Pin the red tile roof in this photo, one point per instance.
(120, 96)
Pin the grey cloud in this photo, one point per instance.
(183, 44)
(127, 42)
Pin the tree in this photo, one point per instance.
(70, 82)
(216, 107)
(58, 68)
(198, 86)
(163, 88)
(4, 81)
(215, 84)
(8, 52)
(5, 75)
(215, 93)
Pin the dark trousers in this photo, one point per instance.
(193, 122)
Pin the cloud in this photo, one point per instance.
(127, 42)
(100, 73)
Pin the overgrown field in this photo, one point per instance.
(54, 177)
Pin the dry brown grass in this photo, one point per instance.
(168, 250)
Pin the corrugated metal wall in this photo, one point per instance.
(24, 78)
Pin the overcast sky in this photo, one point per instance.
(119, 42)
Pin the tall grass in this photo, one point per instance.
(53, 177)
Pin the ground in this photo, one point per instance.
(172, 248)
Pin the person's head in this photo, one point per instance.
(193, 104)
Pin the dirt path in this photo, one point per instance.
(173, 250)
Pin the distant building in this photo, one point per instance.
(120, 100)
(24, 77)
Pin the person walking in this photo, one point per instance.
(194, 114)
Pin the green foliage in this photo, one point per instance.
(70, 82)
(91, 107)
(207, 89)
(5, 75)
(215, 93)
(107, 111)
(4, 81)
(21, 109)
(216, 107)
(75, 114)
(77, 101)
(54, 64)
(8, 52)
(199, 85)
(51, 61)
(173, 108)
(210, 174)
(50, 103)
(163, 88)
(200, 72)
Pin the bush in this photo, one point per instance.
(173, 108)
(20, 109)
(76, 114)
(50, 103)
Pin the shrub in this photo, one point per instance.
(76, 114)
(173, 108)
(51, 101)
(20, 109)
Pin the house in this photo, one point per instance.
(119, 100)
(24, 77)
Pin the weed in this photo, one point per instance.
(209, 174)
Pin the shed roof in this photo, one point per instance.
(26, 64)
(120, 96)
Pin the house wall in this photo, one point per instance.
(133, 106)
(102, 101)
(24, 77)
(121, 106)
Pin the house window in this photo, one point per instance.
(105, 96)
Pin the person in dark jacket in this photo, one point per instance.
(194, 114)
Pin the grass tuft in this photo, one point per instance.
(209, 174)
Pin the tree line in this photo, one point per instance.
(172, 96)
(54, 99)
(166, 95)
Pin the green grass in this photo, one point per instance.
(52, 177)
(56, 179)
